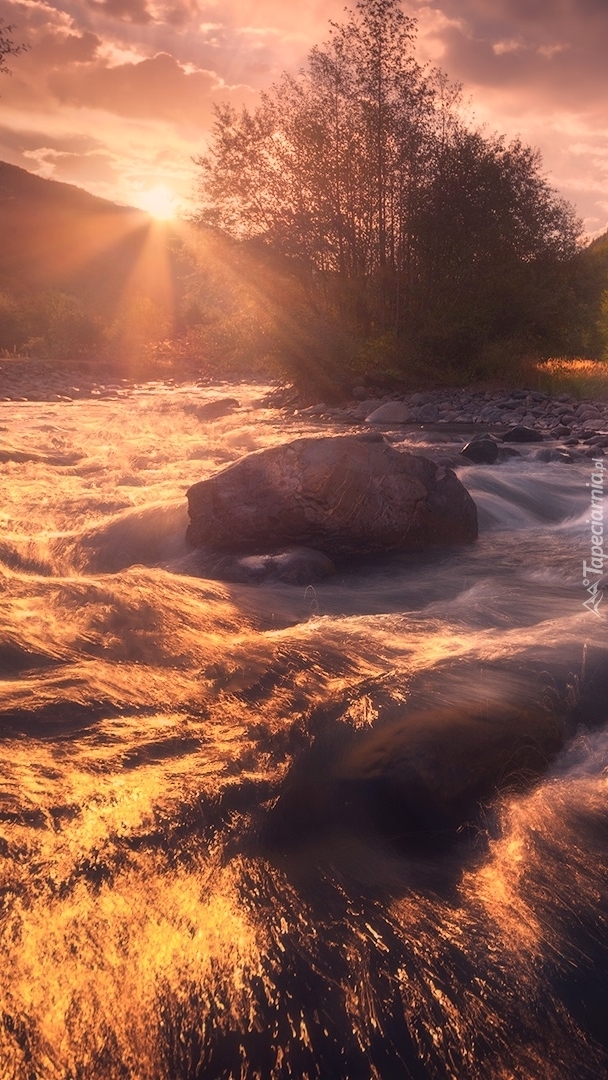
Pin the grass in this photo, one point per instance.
(579, 377)
(182, 358)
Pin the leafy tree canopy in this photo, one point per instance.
(406, 220)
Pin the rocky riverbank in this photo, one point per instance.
(511, 416)
(44, 380)
(23, 379)
(580, 426)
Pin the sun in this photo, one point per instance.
(158, 201)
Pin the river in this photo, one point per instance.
(186, 889)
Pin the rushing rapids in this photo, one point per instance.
(266, 831)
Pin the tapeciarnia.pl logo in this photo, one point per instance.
(593, 570)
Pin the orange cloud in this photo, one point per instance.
(530, 67)
(132, 10)
(79, 168)
(543, 53)
(156, 88)
(56, 51)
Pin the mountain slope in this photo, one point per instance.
(58, 236)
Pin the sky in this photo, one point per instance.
(117, 96)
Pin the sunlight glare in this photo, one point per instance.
(159, 201)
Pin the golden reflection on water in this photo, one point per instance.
(152, 719)
(500, 887)
(91, 967)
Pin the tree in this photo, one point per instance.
(414, 226)
(590, 331)
(322, 168)
(498, 244)
(7, 45)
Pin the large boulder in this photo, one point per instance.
(345, 496)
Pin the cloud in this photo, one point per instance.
(23, 141)
(554, 48)
(181, 12)
(144, 74)
(134, 11)
(97, 166)
(534, 69)
(56, 51)
(154, 88)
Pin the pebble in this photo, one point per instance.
(562, 417)
(518, 416)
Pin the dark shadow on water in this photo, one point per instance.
(348, 990)
(410, 800)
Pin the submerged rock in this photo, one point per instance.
(417, 781)
(213, 410)
(427, 771)
(557, 454)
(481, 451)
(296, 566)
(344, 496)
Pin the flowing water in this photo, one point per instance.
(213, 862)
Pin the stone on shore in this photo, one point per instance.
(342, 495)
(522, 434)
(393, 412)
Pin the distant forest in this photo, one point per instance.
(353, 227)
